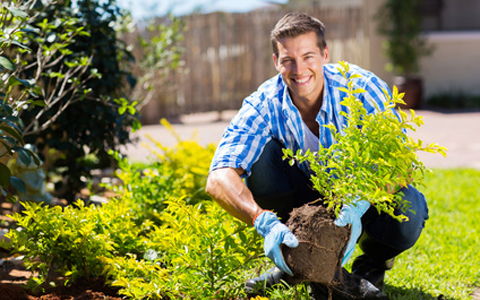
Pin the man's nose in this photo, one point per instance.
(299, 67)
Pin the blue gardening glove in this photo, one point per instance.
(352, 214)
(275, 233)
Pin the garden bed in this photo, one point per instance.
(14, 276)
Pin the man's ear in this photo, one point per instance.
(326, 54)
(275, 62)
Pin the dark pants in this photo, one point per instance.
(280, 187)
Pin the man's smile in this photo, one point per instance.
(302, 80)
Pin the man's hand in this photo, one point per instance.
(352, 214)
(275, 233)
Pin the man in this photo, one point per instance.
(248, 176)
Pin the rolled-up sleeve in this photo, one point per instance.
(244, 139)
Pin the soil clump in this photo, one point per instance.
(321, 246)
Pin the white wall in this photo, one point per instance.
(454, 66)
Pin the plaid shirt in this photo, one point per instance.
(269, 113)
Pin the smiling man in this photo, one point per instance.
(250, 180)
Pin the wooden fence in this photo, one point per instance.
(227, 56)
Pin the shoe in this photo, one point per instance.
(258, 285)
(377, 258)
(371, 270)
(351, 287)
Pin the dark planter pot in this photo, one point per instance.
(413, 89)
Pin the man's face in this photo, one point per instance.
(300, 62)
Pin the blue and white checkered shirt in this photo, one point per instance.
(269, 113)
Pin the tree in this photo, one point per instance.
(16, 93)
(75, 99)
(79, 65)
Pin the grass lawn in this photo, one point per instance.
(446, 259)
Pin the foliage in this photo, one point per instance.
(161, 238)
(455, 100)
(372, 156)
(72, 241)
(199, 252)
(11, 143)
(78, 61)
(196, 250)
(400, 21)
(283, 291)
(15, 94)
(160, 55)
(179, 172)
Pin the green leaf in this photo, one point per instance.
(13, 81)
(33, 155)
(8, 144)
(6, 63)
(4, 175)
(359, 91)
(40, 103)
(51, 38)
(24, 155)
(18, 184)
(17, 12)
(11, 131)
(21, 45)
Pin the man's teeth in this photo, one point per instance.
(303, 80)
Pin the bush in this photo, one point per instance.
(81, 70)
(372, 155)
(72, 241)
(16, 93)
(158, 239)
(454, 100)
(179, 172)
(198, 252)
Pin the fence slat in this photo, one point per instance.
(228, 55)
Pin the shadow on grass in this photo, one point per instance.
(399, 293)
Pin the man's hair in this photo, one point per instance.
(295, 24)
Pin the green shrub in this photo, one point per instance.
(82, 70)
(178, 172)
(455, 100)
(72, 241)
(16, 93)
(199, 252)
(160, 238)
(371, 157)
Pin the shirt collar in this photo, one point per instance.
(287, 103)
(327, 106)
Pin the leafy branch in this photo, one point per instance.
(372, 158)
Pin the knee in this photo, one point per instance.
(418, 210)
(409, 232)
(399, 235)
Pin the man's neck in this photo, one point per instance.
(309, 109)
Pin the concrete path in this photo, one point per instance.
(459, 132)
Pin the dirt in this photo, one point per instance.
(14, 276)
(476, 294)
(321, 245)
